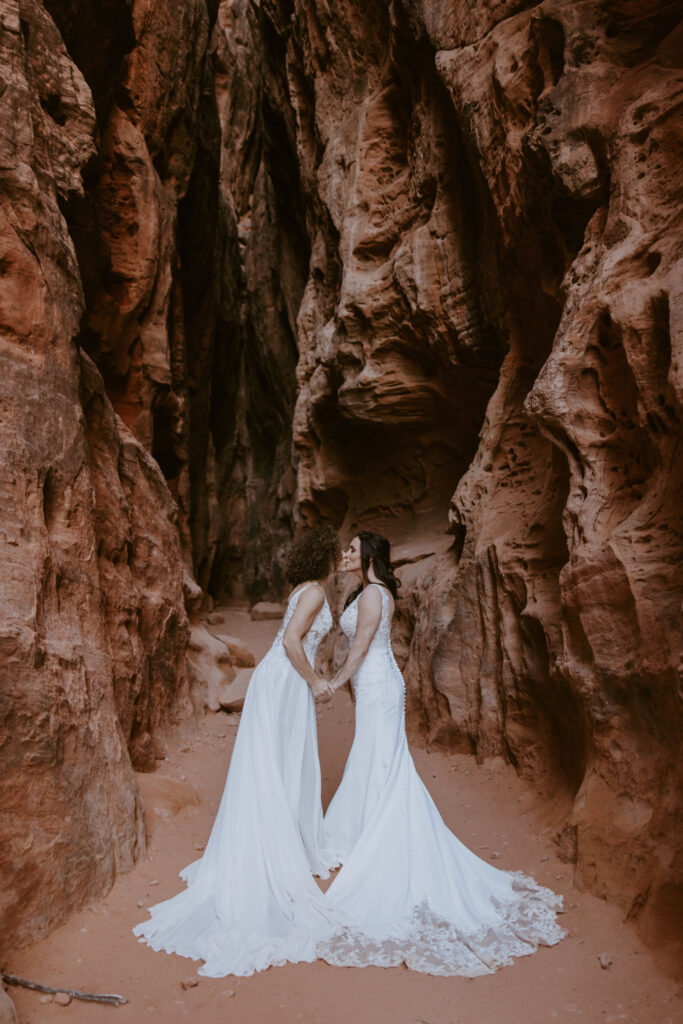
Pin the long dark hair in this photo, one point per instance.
(375, 551)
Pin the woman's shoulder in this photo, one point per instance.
(315, 589)
(371, 596)
(380, 592)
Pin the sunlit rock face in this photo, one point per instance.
(146, 434)
(93, 629)
(490, 344)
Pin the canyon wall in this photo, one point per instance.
(490, 344)
(409, 266)
(96, 551)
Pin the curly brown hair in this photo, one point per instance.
(313, 555)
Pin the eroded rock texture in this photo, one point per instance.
(405, 265)
(491, 325)
(193, 263)
(94, 627)
(264, 274)
(149, 233)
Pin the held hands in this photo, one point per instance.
(322, 689)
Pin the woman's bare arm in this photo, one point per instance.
(310, 603)
(369, 615)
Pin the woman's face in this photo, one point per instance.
(350, 560)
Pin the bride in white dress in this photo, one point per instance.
(251, 900)
(412, 892)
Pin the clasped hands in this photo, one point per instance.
(322, 689)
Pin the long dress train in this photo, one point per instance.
(413, 892)
(251, 900)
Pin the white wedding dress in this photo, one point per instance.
(251, 899)
(413, 893)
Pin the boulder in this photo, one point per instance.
(166, 797)
(240, 654)
(210, 667)
(266, 610)
(231, 695)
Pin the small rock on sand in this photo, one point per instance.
(62, 998)
(231, 695)
(165, 796)
(190, 982)
(240, 655)
(266, 610)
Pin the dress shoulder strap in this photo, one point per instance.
(311, 583)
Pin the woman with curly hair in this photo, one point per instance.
(251, 899)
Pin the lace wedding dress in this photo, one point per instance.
(413, 892)
(251, 899)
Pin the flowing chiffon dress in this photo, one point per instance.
(251, 900)
(411, 891)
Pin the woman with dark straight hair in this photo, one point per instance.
(409, 891)
(375, 558)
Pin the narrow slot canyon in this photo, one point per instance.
(399, 265)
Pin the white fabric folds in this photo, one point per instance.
(408, 892)
(251, 900)
(413, 892)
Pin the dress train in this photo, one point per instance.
(413, 892)
(251, 900)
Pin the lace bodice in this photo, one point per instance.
(349, 621)
(320, 627)
(378, 681)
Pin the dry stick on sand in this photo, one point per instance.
(93, 997)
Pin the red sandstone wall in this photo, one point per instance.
(492, 326)
(93, 628)
(413, 266)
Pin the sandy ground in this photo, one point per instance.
(488, 807)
